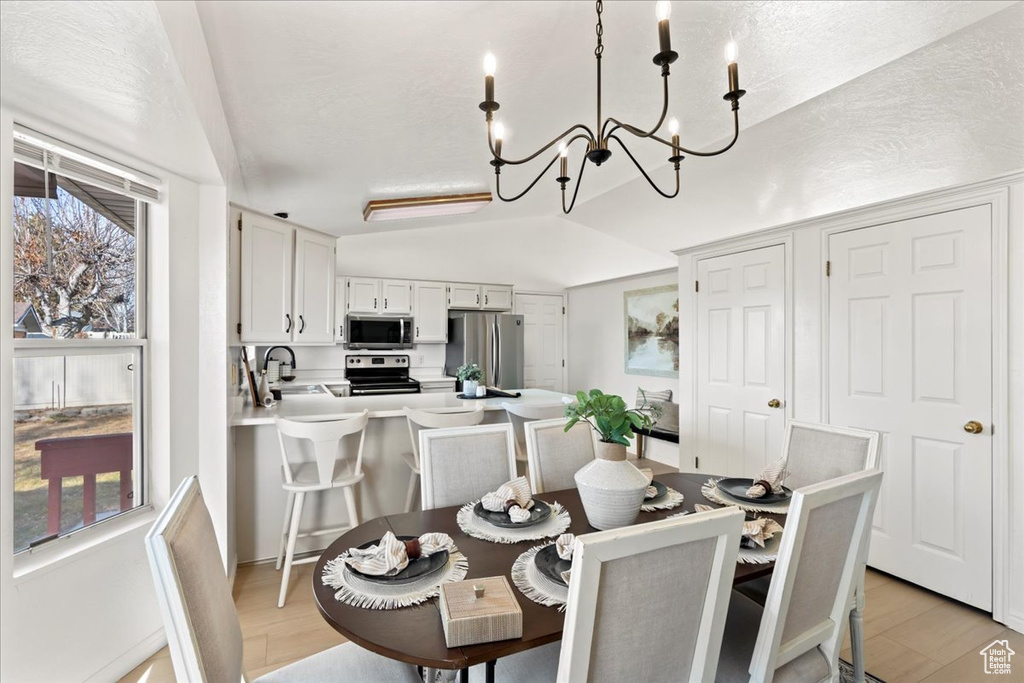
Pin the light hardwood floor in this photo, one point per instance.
(910, 634)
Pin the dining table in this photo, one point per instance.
(415, 634)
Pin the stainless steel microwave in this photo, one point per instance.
(378, 332)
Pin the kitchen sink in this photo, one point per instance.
(302, 389)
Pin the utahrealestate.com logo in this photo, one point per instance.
(997, 657)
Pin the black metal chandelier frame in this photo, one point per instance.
(598, 151)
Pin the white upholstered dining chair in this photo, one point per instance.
(555, 455)
(203, 633)
(646, 603)
(521, 414)
(328, 470)
(419, 420)
(797, 635)
(816, 453)
(461, 464)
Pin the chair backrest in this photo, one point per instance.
(439, 419)
(554, 455)
(819, 452)
(827, 529)
(521, 413)
(202, 627)
(326, 437)
(622, 573)
(461, 464)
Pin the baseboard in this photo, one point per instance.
(121, 666)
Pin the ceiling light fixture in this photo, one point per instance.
(597, 145)
(424, 207)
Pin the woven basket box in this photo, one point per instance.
(468, 619)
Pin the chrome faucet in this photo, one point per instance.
(266, 356)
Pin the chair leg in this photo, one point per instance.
(414, 480)
(857, 632)
(284, 528)
(350, 503)
(293, 531)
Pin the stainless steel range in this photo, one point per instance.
(372, 375)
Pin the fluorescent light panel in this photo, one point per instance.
(424, 207)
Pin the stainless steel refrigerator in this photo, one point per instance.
(494, 341)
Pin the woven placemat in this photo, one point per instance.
(671, 499)
(554, 525)
(769, 553)
(358, 592)
(536, 586)
(711, 492)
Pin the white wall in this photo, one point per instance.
(596, 319)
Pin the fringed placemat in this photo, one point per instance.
(358, 592)
(671, 499)
(711, 492)
(769, 553)
(535, 585)
(554, 525)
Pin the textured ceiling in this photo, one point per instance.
(107, 71)
(331, 104)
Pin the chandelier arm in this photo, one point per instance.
(575, 191)
(516, 162)
(497, 181)
(643, 172)
(633, 129)
(691, 152)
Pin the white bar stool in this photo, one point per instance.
(521, 413)
(432, 419)
(301, 478)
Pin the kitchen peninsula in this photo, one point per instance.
(259, 499)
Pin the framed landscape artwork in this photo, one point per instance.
(652, 331)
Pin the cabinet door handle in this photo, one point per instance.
(374, 303)
(385, 304)
(302, 324)
(477, 299)
(487, 297)
(289, 319)
(417, 331)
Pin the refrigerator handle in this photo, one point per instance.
(497, 353)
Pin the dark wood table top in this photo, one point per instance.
(415, 635)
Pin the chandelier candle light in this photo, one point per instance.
(597, 144)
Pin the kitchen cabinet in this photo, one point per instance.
(496, 298)
(363, 295)
(314, 287)
(464, 296)
(340, 301)
(266, 291)
(430, 312)
(397, 296)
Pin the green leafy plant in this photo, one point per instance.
(470, 372)
(609, 415)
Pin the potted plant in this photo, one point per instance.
(470, 374)
(611, 488)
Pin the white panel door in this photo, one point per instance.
(397, 296)
(364, 295)
(910, 356)
(266, 313)
(314, 288)
(463, 296)
(543, 336)
(741, 361)
(430, 312)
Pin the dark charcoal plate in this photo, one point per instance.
(414, 571)
(662, 492)
(538, 513)
(737, 488)
(550, 564)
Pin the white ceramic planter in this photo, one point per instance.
(469, 387)
(611, 488)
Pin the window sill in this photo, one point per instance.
(36, 562)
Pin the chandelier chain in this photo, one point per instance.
(600, 30)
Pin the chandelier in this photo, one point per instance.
(598, 150)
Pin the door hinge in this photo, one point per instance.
(239, 328)
(563, 310)
(696, 285)
(696, 462)
(563, 362)
(828, 269)
(239, 223)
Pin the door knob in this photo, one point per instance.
(774, 403)
(974, 427)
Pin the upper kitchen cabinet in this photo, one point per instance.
(363, 295)
(397, 295)
(340, 302)
(464, 296)
(496, 298)
(314, 287)
(430, 312)
(287, 282)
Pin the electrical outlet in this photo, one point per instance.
(420, 360)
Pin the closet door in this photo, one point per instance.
(741, 361)
(910, 356)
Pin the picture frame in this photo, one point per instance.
(651, 331)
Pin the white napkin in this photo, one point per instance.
(563, 546)
(760, 530)
(513, 497)
(699, 507)
(391, 555)
(773, 474)
(651, 491)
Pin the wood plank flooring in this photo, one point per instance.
(911, 634)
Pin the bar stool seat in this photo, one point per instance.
(432, 419)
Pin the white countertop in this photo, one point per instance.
(330, 407)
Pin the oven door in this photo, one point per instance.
(378, 332)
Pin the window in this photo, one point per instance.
(79, 295)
